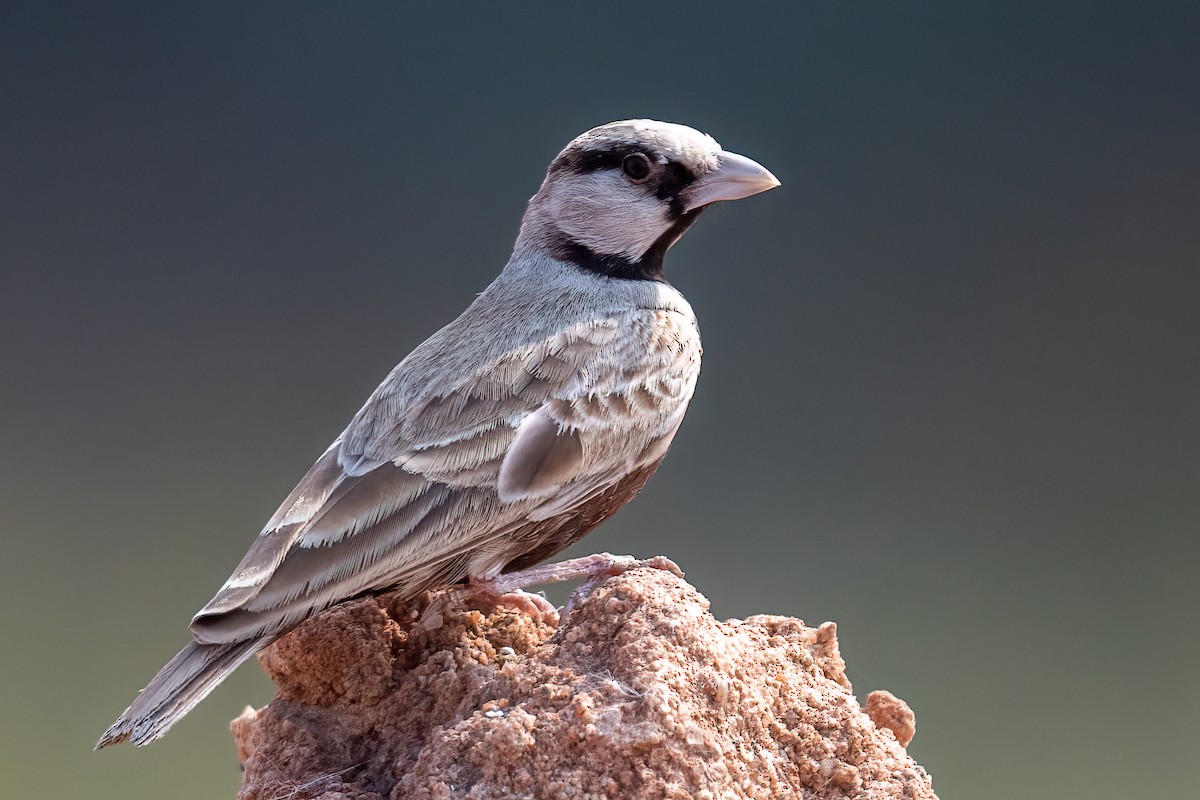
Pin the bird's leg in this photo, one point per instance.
(603, 566)
(600, 565)
(593, 569)
(508, 588)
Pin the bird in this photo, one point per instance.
(508, 434)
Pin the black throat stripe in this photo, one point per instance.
(647, 268)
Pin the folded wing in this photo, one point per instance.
(421, 489)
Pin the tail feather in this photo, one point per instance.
(176, 689)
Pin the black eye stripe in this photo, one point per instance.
(583, 161)
(667, 183)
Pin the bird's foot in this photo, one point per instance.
(533, 605)
(593, 570)
(600, 565)
(507, 589)
(605, 566)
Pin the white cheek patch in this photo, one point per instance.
(607, 214)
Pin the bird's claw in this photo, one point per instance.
(535, 605)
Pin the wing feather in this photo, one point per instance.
(423, 485)
(544, 457)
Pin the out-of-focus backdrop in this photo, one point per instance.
(951, 392)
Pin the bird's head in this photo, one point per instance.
(617, 197)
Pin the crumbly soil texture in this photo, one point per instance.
(639, 694)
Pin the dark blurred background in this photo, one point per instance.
(950, 394)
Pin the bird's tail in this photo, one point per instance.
(176, 689)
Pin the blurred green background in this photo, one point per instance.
(950, 399)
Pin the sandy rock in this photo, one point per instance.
(890, 712)
(641, 693)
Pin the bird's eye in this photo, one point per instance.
(636, 166)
